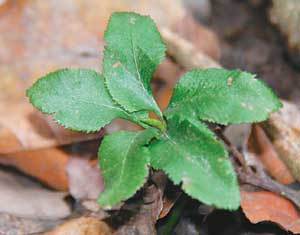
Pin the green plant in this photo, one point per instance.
(178, 141)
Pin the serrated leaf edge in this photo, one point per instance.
(183, 183)
(54, 114)
(277, 103)
(155, 109)
(139, 185)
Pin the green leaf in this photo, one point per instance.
(124, 164)
(223, 96)
(189, 153)
(77, 98)
(134, 49)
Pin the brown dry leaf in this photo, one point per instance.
(82, 226)
(283, 128)
(261, 146)
(266, 206)
(23, 26)
(47, 165)
(24, 198)
(68, 34)
(23, 128)
(168, 204)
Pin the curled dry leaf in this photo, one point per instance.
(47, 165)
(283, 128)
(22, 197)
(266, 206)
(262, 147)
(82, 226)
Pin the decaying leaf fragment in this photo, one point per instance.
(283, 128)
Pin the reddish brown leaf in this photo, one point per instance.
(163, 97)
(266, 206)
(47, 165)
(260, 144)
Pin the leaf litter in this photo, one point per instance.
(9, 135)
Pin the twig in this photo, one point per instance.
(235, 153)
(184, 53)
(264, 181)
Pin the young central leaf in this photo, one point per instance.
(77, 98)
(134, 49)
(190, 153)
(124, 164)
(223, 96)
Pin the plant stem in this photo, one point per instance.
(156, 124)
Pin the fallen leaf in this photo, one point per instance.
(12, 225)
(25, 24)
(261, 146)
(47, 165)
(85, 180)
(82, 226)
(283, 128)
(23, 128)
(24, 198)
(266, 206)
(168, 204)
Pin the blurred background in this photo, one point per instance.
(49, 175)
